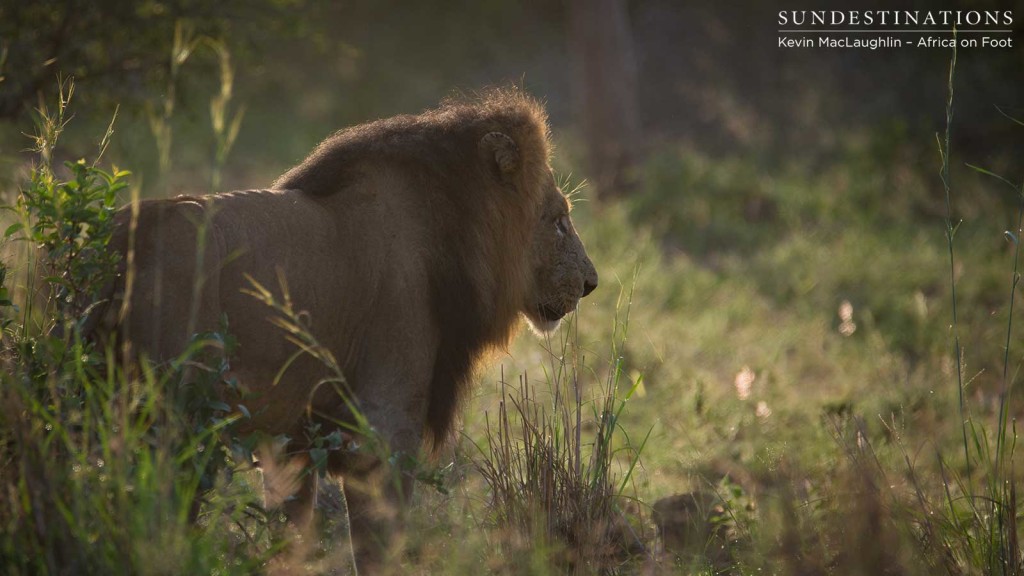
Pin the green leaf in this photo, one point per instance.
(334, 439)
(319, 457)
(13, 228)
(1007, 116)
(217, 405)
(993, 175)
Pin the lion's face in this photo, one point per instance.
(562, 272)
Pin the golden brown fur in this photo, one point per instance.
(414, 243)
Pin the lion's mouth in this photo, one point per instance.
(550, 314)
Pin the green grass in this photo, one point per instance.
(790, 370)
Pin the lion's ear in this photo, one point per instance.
(503, 150)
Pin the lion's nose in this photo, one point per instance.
(588, 286)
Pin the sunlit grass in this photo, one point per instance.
(791, 355)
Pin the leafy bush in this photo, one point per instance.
(105, 463)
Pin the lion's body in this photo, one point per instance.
(359, 307)
(410, 242)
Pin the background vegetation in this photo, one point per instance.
(771, 371)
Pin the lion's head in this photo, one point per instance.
(558, 270)
(562, 272)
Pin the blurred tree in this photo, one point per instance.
(117, 48)
(604, 88)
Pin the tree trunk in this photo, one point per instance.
(604, 90)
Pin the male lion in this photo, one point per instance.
(414, 243)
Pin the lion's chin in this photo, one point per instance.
(544, 319)
(542, 326)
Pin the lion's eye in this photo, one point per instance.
(562, 224)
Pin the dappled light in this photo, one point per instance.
(584, 287)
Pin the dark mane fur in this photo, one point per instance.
(437, 137)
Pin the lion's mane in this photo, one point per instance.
(479, 270)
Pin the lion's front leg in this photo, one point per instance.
(299, 507)
(377, 498)
(289, 486)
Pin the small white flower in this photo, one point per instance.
(847, 327)
(846, 311)
(744, 382)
